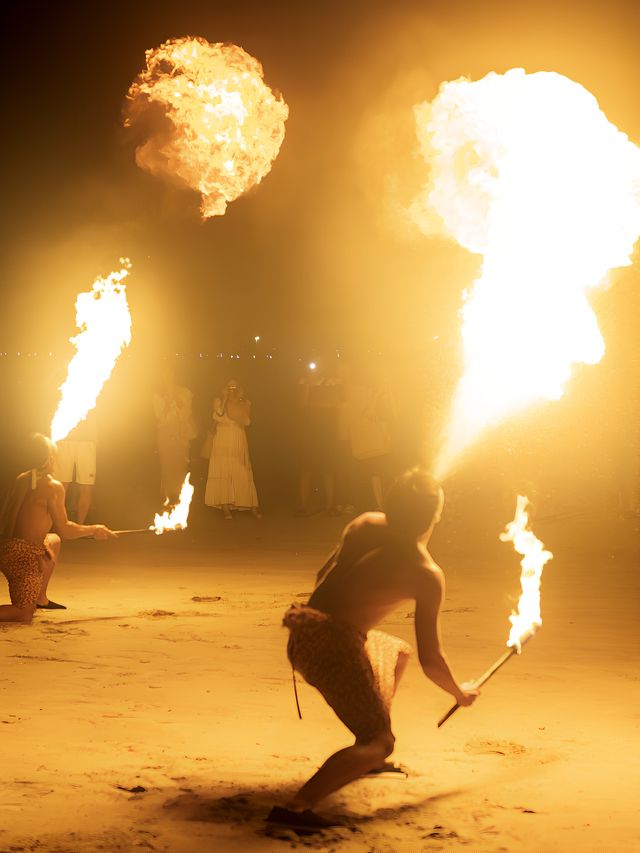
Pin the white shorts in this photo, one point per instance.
(79, 456)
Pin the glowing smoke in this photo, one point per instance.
(214, 125)
(526, 170)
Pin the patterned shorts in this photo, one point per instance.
(22, 563)
(355, 673)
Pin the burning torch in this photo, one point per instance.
(174, 518)
(526, 620)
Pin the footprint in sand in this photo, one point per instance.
(494, 747)
(441, 832)
(77, 632)
(156, 613)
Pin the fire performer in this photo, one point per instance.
(28, 550)
(382, 561)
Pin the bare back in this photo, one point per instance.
(373, 572)
(27, 512)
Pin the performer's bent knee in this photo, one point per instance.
(53, 539)
(387, 743)
(384, 743)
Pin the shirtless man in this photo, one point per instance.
(381, 562)
(28, 551)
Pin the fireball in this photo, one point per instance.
(527, 172)
(216, 126)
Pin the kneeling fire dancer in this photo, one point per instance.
(28, 551)
(382, 561)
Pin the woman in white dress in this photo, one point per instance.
(175, 430)
(230, 483)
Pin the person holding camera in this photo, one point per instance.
(230, 483)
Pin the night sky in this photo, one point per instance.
(319, 254)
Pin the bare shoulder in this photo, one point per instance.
(53, 487)
(365, 527)
(367, 519)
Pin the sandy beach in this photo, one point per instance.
(157, 712)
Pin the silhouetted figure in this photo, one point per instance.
(320, 396)
(76, 463)
(381, 562)
(172, 406)
(372, 423)
(28, 551)
(230, 483)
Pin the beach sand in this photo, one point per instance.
(157, 712)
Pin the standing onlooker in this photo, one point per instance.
(76, 463)
(345, 480)
(230, 484)
(321, 394)
(373, 418)
(175, 430)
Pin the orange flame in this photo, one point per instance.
(526, 171)
(526, 620)
(222, 125)
(176, 517)
(103, 317)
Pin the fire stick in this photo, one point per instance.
(136, 530)
(484, 678)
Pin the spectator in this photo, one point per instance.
(321, 395)
(175, 430)
(230, 483)
(373, 419)
(76, 463)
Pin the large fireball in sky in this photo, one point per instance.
(210, 121)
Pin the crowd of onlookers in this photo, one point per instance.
(343, 424)
(311, 437)
(314, 438)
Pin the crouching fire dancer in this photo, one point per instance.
(381, 562)
(28, 550)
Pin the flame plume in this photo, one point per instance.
(526, 171)
(176, 517)
(103, 317)
(527, 619)
(223, 126)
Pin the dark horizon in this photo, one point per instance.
(319, 255)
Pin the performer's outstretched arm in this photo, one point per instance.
(67, 529)
(431, 654)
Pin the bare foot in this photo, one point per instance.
(388, 770)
